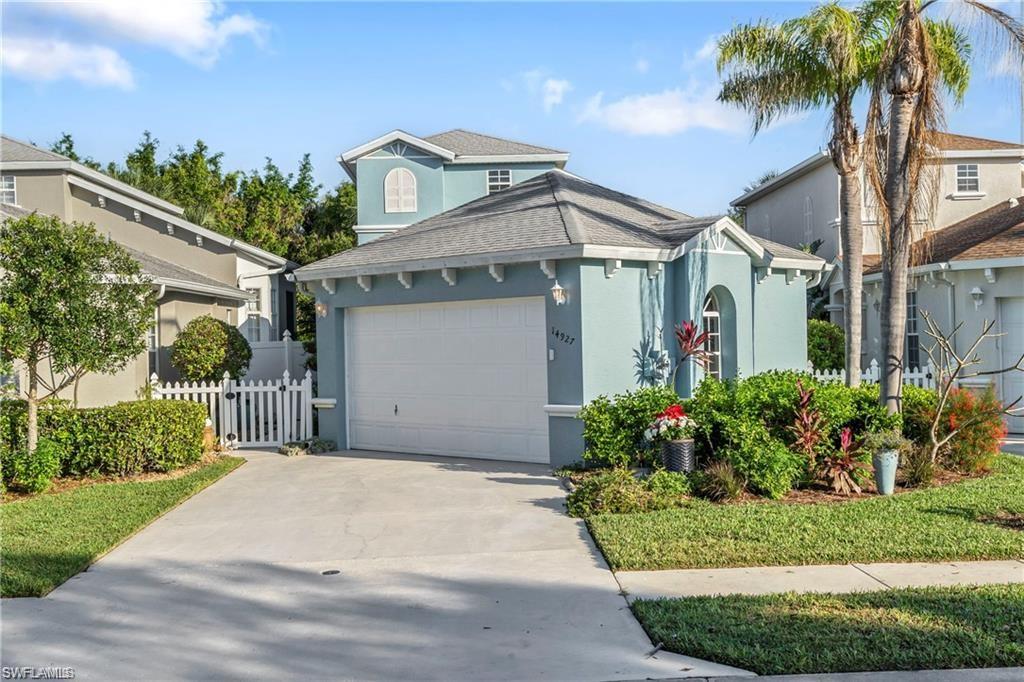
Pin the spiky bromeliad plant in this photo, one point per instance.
(841, 468)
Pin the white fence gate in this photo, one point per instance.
(918, 376)
(250, 413)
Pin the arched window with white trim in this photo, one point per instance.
(712, 323)
(400, 191)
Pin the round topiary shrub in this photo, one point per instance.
(208, 347)
(826, 345)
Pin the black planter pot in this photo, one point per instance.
(677, 455)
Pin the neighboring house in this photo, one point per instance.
(402, 179)
(801, 204)
(968, 266)
(481, 330)
(196, 271)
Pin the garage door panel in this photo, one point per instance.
(469, 378)
(1011, 324)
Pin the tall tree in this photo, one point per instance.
(197, 182)
(819, 60)
(71, 302)
(920, 59)
(65, 146)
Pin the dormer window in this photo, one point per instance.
(8, 190)
(967, 179)
(400, 191)
(498, 180)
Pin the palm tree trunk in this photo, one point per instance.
(852, 238)
(896, 252)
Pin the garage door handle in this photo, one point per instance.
(396, 410)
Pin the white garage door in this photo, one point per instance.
(465, 379)
(1011, 324)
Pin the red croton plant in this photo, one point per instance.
(691, 341)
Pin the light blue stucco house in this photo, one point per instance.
(494, 293)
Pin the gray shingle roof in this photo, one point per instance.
(783, 251)
(15, 150)
(550, 210)
(13, 212)
(468, 143)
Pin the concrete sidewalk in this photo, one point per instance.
(836, 578)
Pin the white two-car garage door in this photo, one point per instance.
(464, 379)
(1011, 346)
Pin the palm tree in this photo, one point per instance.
(822, 59)
(919, 59)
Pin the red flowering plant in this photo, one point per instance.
(843, 467)
(808, 427)
(670, 424)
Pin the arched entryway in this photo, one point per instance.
(718, 319)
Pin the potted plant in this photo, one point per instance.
(674, 431)
(885, 447)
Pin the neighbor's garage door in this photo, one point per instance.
(465, 379)
(1011, 324)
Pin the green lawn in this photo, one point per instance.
(938, 524)
(49, 538)
(932, 628)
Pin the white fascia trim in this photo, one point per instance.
(96, 176)
(396, 136)
(805, 166)
(512, 158)
(219, 292)
(983, 154)
(957, 266)
(249, 249)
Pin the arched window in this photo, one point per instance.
(400, 191)
(712, 323)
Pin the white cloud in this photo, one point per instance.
(642, 65)
(554, 92)
(194, 31)
(664, 113)
(705, 53)
(1009, 64)
(42, 59)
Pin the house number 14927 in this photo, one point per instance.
(562, 336)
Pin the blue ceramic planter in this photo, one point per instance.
(885, 470)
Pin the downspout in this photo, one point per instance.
(950, 299)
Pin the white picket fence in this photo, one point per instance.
(918, 376)
(250, 413)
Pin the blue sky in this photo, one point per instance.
(628, 89)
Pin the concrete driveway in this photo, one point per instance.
(445, 569)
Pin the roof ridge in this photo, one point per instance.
(36, 147)
(494, 137)
(573, 229)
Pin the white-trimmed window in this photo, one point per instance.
(8, 190)
(808, 220)
(153, 343)
(967, 178)
(400, 191)
(712, 323)
(912, 359)
(253, 312)
(498, 180)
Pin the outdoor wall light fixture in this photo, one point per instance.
(321, 308)
(978, 294)
(558, 293)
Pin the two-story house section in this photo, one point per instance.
(801, 204)
(402, 179)
(195, 271)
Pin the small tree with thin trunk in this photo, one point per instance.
(71, 302)
(954, 367)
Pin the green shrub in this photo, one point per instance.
(918, 409)
(613, 427)
(768, 465)
(208, 347)
(618, 491)
(122, 439)
(826, 345)
(33, 473)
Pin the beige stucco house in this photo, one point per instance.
(968, 264)
(195, 270)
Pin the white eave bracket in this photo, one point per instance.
(763, 274)
(449, 275)
(654, 268)
(328, 285)
(791, 276)
(611, 266)
(990, 275)
(405, 279)
(548, 268)
(497, 271)
(365, 282)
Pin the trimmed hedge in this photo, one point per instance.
(122, 439)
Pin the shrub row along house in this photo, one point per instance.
(194, 270)
(494, 293)
(968, 266)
